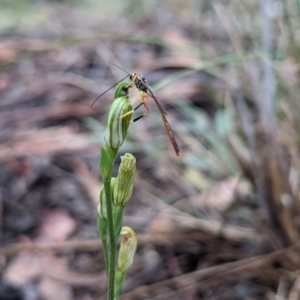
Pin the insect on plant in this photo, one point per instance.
(139, 82)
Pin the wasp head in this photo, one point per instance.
(132, 76)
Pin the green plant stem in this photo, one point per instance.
(103, 232)
(109, 157)
(111, 236)
(118, 221)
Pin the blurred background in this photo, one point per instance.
(219, 222)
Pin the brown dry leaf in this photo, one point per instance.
(57, 226)
(29, 267)
(185, 88)
(52, 289)
(8, 52)
(44, 141)
(23, 269)
(161, 224)
(5, 81)
(88, 180)
(222, 195)
(178, 38)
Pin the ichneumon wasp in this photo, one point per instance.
(145, 90)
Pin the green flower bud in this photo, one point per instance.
(124, 186)
(101, 209)
(117, 126)
(128, 244)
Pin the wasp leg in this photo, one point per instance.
(144, 114)
(132, 111)
(128, 113)
(133, 101)
(143, 102)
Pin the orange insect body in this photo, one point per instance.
(141, 84)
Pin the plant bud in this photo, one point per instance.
(117, 126)
(124, 185)
(128, 244)
(101, 209)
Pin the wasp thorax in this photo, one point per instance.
(132, 76)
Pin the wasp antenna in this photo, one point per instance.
(119, 67)
(108, 90)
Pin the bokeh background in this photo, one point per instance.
(219, 222)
